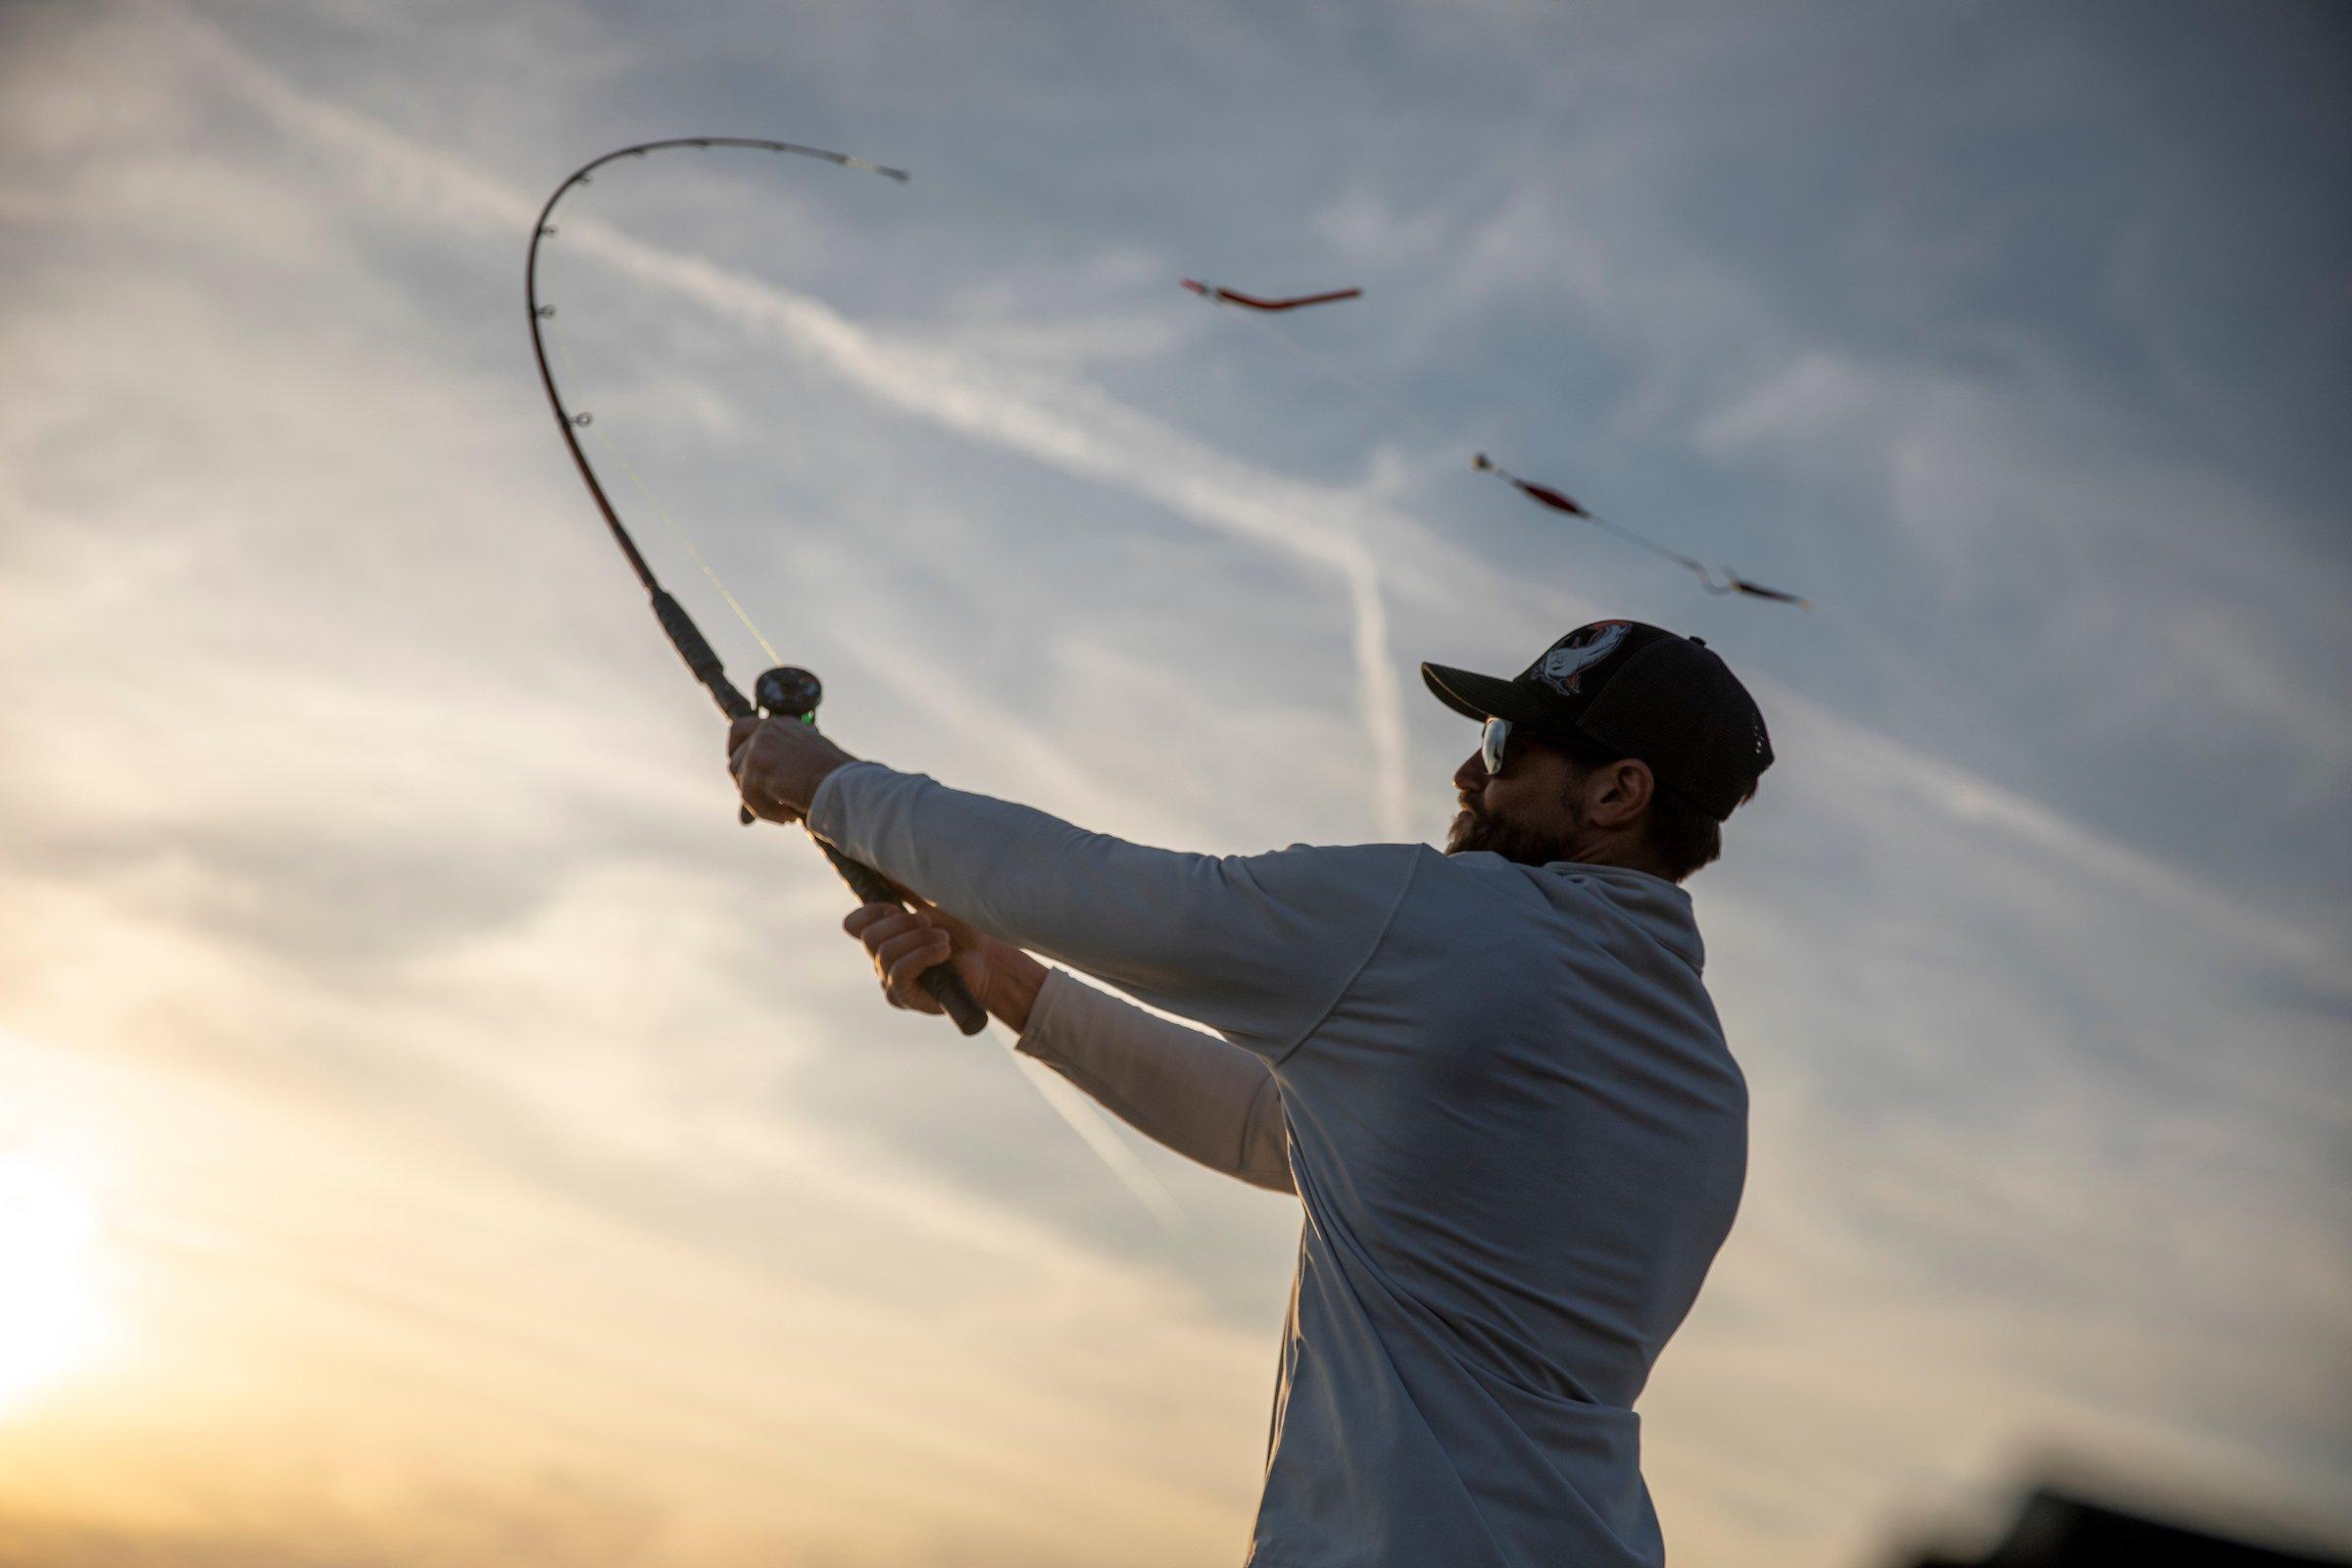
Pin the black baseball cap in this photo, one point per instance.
(1631, 689)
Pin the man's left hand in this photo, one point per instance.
(778, 764)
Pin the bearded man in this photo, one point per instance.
(1492, 1076)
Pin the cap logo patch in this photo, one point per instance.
(1563, 668)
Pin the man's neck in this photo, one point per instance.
(1625, 851)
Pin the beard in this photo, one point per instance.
(1474, 830)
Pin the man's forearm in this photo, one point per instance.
(1208, 1100)
(1014, 982)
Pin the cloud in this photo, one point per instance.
(374, 896)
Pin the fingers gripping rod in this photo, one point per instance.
(791, 692)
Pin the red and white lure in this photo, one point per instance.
(1559, 501)
(1229, 296)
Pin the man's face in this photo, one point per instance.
(1529, 813)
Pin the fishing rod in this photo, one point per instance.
(785, 691)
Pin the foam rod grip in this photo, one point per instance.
(946, 986)
(948, 989)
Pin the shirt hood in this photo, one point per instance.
(1660, 908)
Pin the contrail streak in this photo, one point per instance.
(1071, 426)
(1062, 423)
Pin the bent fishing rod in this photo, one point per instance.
(786, 691)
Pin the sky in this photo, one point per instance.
(431, 1131)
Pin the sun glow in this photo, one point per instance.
(48, 1307)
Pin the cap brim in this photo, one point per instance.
(1484, 697)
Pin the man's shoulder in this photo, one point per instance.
(1594, 901)
(1376, 868)
(1358, 854)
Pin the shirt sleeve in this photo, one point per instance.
(1191, 1092)
(1258, 947)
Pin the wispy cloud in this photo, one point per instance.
(443, 1047)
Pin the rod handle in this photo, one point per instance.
(946, 986)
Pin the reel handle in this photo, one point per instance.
(790, 692)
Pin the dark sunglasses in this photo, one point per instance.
(1495, 743)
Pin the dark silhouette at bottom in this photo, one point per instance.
(2056, 1531)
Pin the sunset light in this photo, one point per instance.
(1164, 786)
(47, 1306)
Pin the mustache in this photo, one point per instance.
(1471, 829)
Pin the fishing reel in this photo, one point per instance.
(785, 692)
(788, 692)
(791, 692)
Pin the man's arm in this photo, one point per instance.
(1188, 1091)
(1258, 947)
(1191, 1092)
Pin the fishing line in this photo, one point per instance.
(1714, 579)
(1264, 313)
(620, 459)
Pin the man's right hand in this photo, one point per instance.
(907, 944)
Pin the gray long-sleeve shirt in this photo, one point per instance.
(1508, 1113)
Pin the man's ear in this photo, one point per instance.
(1619, 792)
